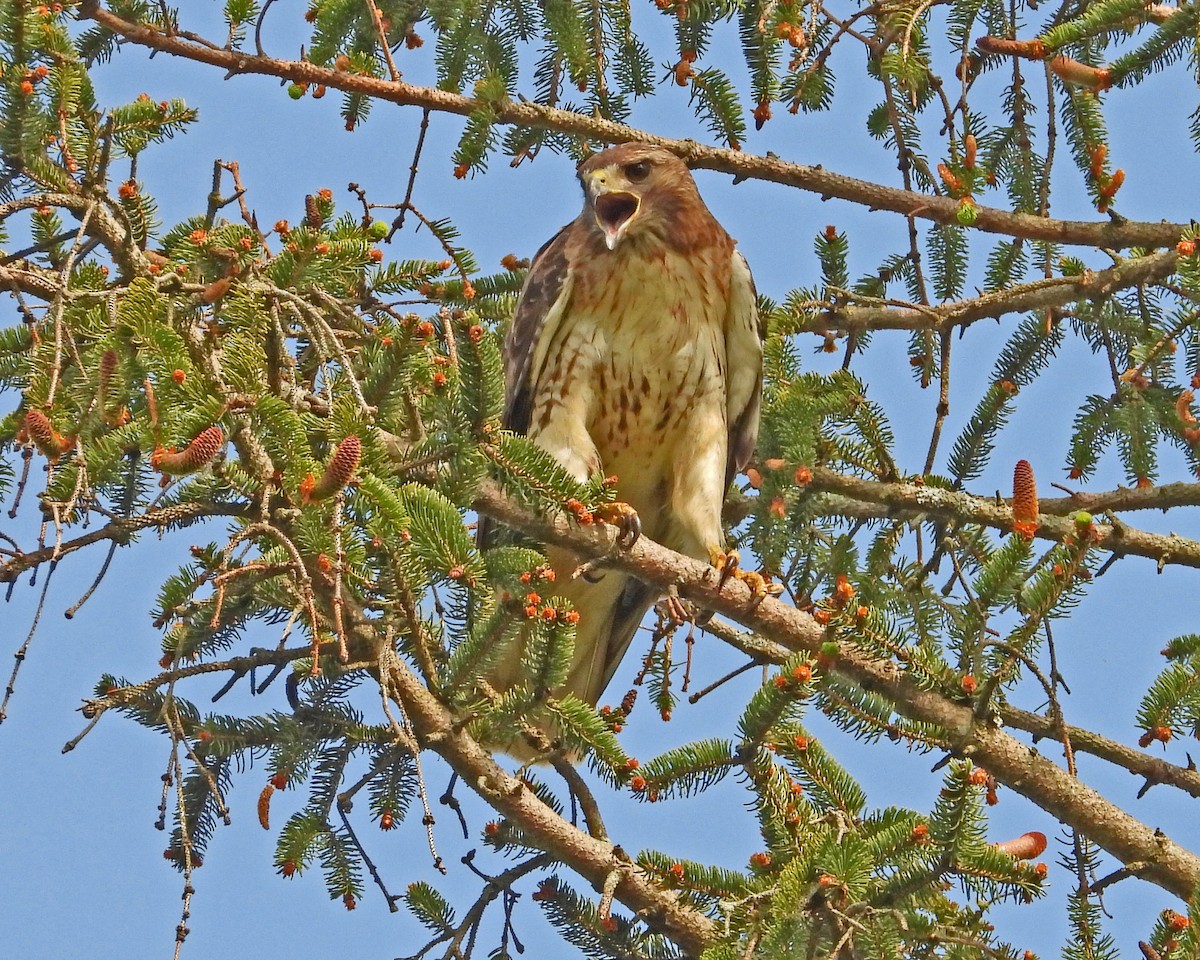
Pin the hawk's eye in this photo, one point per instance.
(637, 172)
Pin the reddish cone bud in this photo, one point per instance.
(1025, 847)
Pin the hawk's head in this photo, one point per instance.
(637, 189)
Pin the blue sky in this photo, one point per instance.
(80, 863)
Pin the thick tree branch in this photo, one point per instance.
(102, 224)
(592, 858)
(1137, 762)
(1112, 234)
(1013, 763)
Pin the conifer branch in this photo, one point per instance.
(119, 530)
(1112, 235)
(856, 497)
(1011, 762)
(859, 313)
(594, 859)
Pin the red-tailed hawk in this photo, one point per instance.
(636, 351)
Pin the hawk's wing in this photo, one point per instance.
(744, 335)
(540, 309)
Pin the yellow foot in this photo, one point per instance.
(729, 566)
(624, 518)
(726, 564)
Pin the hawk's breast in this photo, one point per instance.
(640, 357)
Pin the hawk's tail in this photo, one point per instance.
(610, 612)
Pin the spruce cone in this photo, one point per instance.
(199, 453)
(49, 441)
(1025, 500)
(340, 472)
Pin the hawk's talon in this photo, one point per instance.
(624, 518)
(675, 608)
(726, 564)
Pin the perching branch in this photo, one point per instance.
(1011, 762)
(1110, 234)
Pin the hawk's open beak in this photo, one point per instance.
(614, 212)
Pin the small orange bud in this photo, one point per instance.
(760, 860)
(844, 591)
(978, 777)
(949, 178)
(778, 507)
(387, 820)
(178, 376)
(754, 477)
(761, 114)
(638, 784)
(803, 475)
(969, 684)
